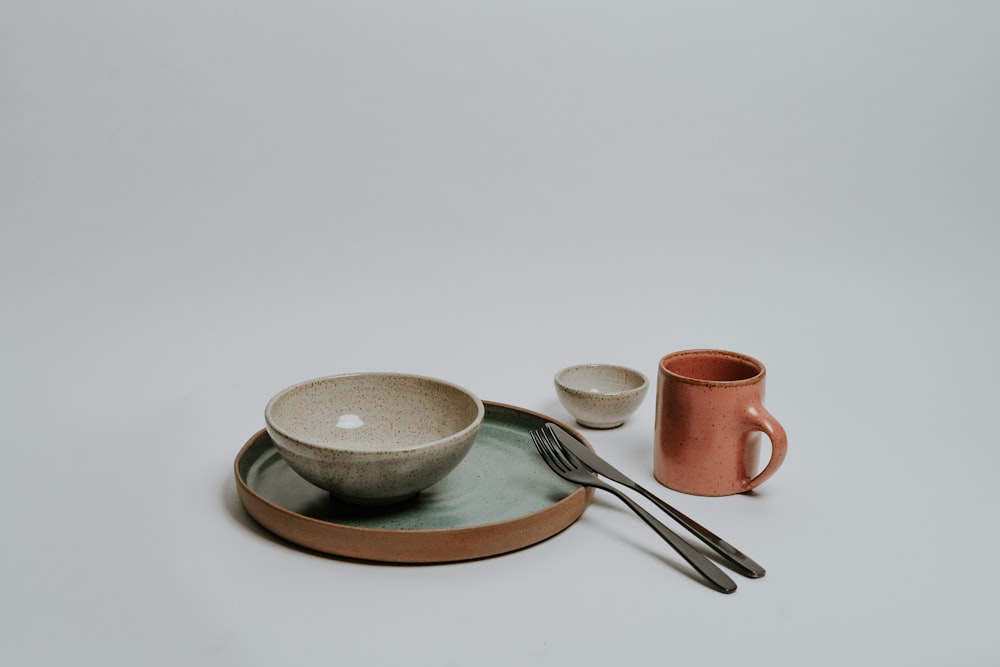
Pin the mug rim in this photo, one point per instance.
(746, 358)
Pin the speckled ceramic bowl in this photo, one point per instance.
(373, 438)
(600, 395)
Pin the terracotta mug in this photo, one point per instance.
(709, 417)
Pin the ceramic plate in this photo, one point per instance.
(502, 497)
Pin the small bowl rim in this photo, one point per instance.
(465, 432)
(623, 392)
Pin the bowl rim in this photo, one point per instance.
(642, 386)
(462, 434)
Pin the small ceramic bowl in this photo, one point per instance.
(600, 395)
(374, 438)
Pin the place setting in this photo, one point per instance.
(402, 468)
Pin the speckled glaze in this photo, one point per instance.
(709, 417)
(600, 395)
(373, 438)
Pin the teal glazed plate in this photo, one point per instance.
(501, 498)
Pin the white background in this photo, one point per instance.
(204, 202)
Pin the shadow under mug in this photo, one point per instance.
(709, 417)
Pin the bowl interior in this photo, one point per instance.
(373, 411)
(600, 378)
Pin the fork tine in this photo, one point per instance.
(565, 457)
(553, 448)
(540, 446)
(545, 449)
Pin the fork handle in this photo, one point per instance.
(739, 560)
(695, 558)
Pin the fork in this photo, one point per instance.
(570, 470)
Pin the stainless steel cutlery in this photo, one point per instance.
(571, 469)
(738, 560)
(574, 461)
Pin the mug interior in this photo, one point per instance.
(712, 366)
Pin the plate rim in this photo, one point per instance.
(423, 545)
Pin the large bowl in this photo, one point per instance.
(373, 438)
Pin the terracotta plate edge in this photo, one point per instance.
(415, 546)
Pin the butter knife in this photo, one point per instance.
(736, 558)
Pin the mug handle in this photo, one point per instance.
(762, 420)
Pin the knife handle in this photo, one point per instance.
(707, 568)
(737, 558)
